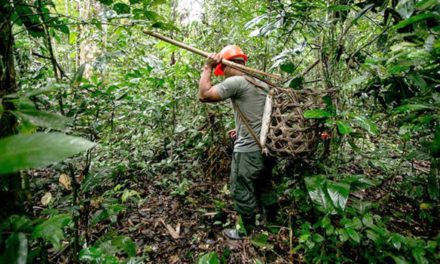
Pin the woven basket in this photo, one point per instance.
(285, 131)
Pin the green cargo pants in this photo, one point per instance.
(251, 185)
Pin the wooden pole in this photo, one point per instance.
(206, 54)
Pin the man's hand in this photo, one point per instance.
(232, 134)
(206, 93)
(213, 60)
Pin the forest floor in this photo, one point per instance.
(170, 228)
(174, 223)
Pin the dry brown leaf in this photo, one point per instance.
(65, 181)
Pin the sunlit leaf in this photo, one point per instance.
(316, 113)
(343, 128)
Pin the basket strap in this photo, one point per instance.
(252, 81)
(246, 123)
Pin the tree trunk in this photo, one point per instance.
(10, 185)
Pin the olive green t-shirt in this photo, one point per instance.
(250, 100)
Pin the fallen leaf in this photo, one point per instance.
(174, 233)
(65, 181)
(46, 199)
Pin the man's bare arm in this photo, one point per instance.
(206, 91)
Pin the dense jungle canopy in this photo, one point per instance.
(108, 156)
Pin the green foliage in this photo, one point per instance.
(328, 195)
(105, 251)
(51, 229)
(316, 113)
(16, 250)
(181, 188)
(137, 98)
(209, 258)
(261, 241)
(353, 226)
(110, 211)
(32, 151)
(43, 119)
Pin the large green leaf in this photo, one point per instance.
(317, 189)
(16, 250)
(38, 150)
(343, 128)
(43, 119)
(52, 229)
(413, 20)
(412, 108)
(338, 193)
